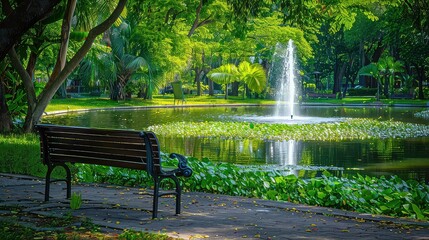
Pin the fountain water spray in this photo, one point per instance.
(286, 79)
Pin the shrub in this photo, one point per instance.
(362, 91)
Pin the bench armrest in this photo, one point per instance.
(182, 168)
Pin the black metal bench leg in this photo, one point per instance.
(68, 180)
(178, 195)
(48, 182)
(155, 198)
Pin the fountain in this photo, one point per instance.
(284, 77)
(284, 71)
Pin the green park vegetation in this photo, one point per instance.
(72, 55)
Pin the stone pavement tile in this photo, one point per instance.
(205, 216)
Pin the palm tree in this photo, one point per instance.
(387, 67)
(126, 64)
(384, 71)
(253, 75)
(225, 75)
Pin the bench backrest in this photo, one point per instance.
(110, 147)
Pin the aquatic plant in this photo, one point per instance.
(356, 128)
(422, 114)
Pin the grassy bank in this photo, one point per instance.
(91, 102)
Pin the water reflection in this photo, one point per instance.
(404, 157)
(284, 153)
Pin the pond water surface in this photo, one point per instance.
(408, 158)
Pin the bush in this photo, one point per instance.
(362, 91)
(377, 195)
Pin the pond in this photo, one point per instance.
(408, 158)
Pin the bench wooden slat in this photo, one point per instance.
(101, 149)
(86, 130)
(99, 161)
(97, 155)
(131, 138)
(57, 142)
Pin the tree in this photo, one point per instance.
(384, 71)
(126, 64)
(224, 75)
(251, 74)
(37, 106)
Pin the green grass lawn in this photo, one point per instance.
(105, 102)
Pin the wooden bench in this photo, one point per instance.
(117, 148)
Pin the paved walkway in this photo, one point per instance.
(204, 215)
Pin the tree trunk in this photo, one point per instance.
(28, 85)
(118, 91)
(234, 88)
(378, 51)
(65, 36)
(49, 91)
(386, 86)
(339, 74)
(197, 81)
(211, 87)
(421, 78)
(6, 123)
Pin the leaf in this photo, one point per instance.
(418, 212)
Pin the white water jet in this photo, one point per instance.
(286, 80)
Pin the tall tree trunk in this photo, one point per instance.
(339, 74)
(28, 85)
(211, 87)
(386, 86)
(5, 118)
(421, 78)
(198, 81)
(378, 51)
(53, 84)
(234, 88)
(65, 36)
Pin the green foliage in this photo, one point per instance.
(388, 196)
(422, 114)
(347, 129)
(309, 87)
(15, 97)
(362, 91)
(75, 200)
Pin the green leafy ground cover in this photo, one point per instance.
(388, 196)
